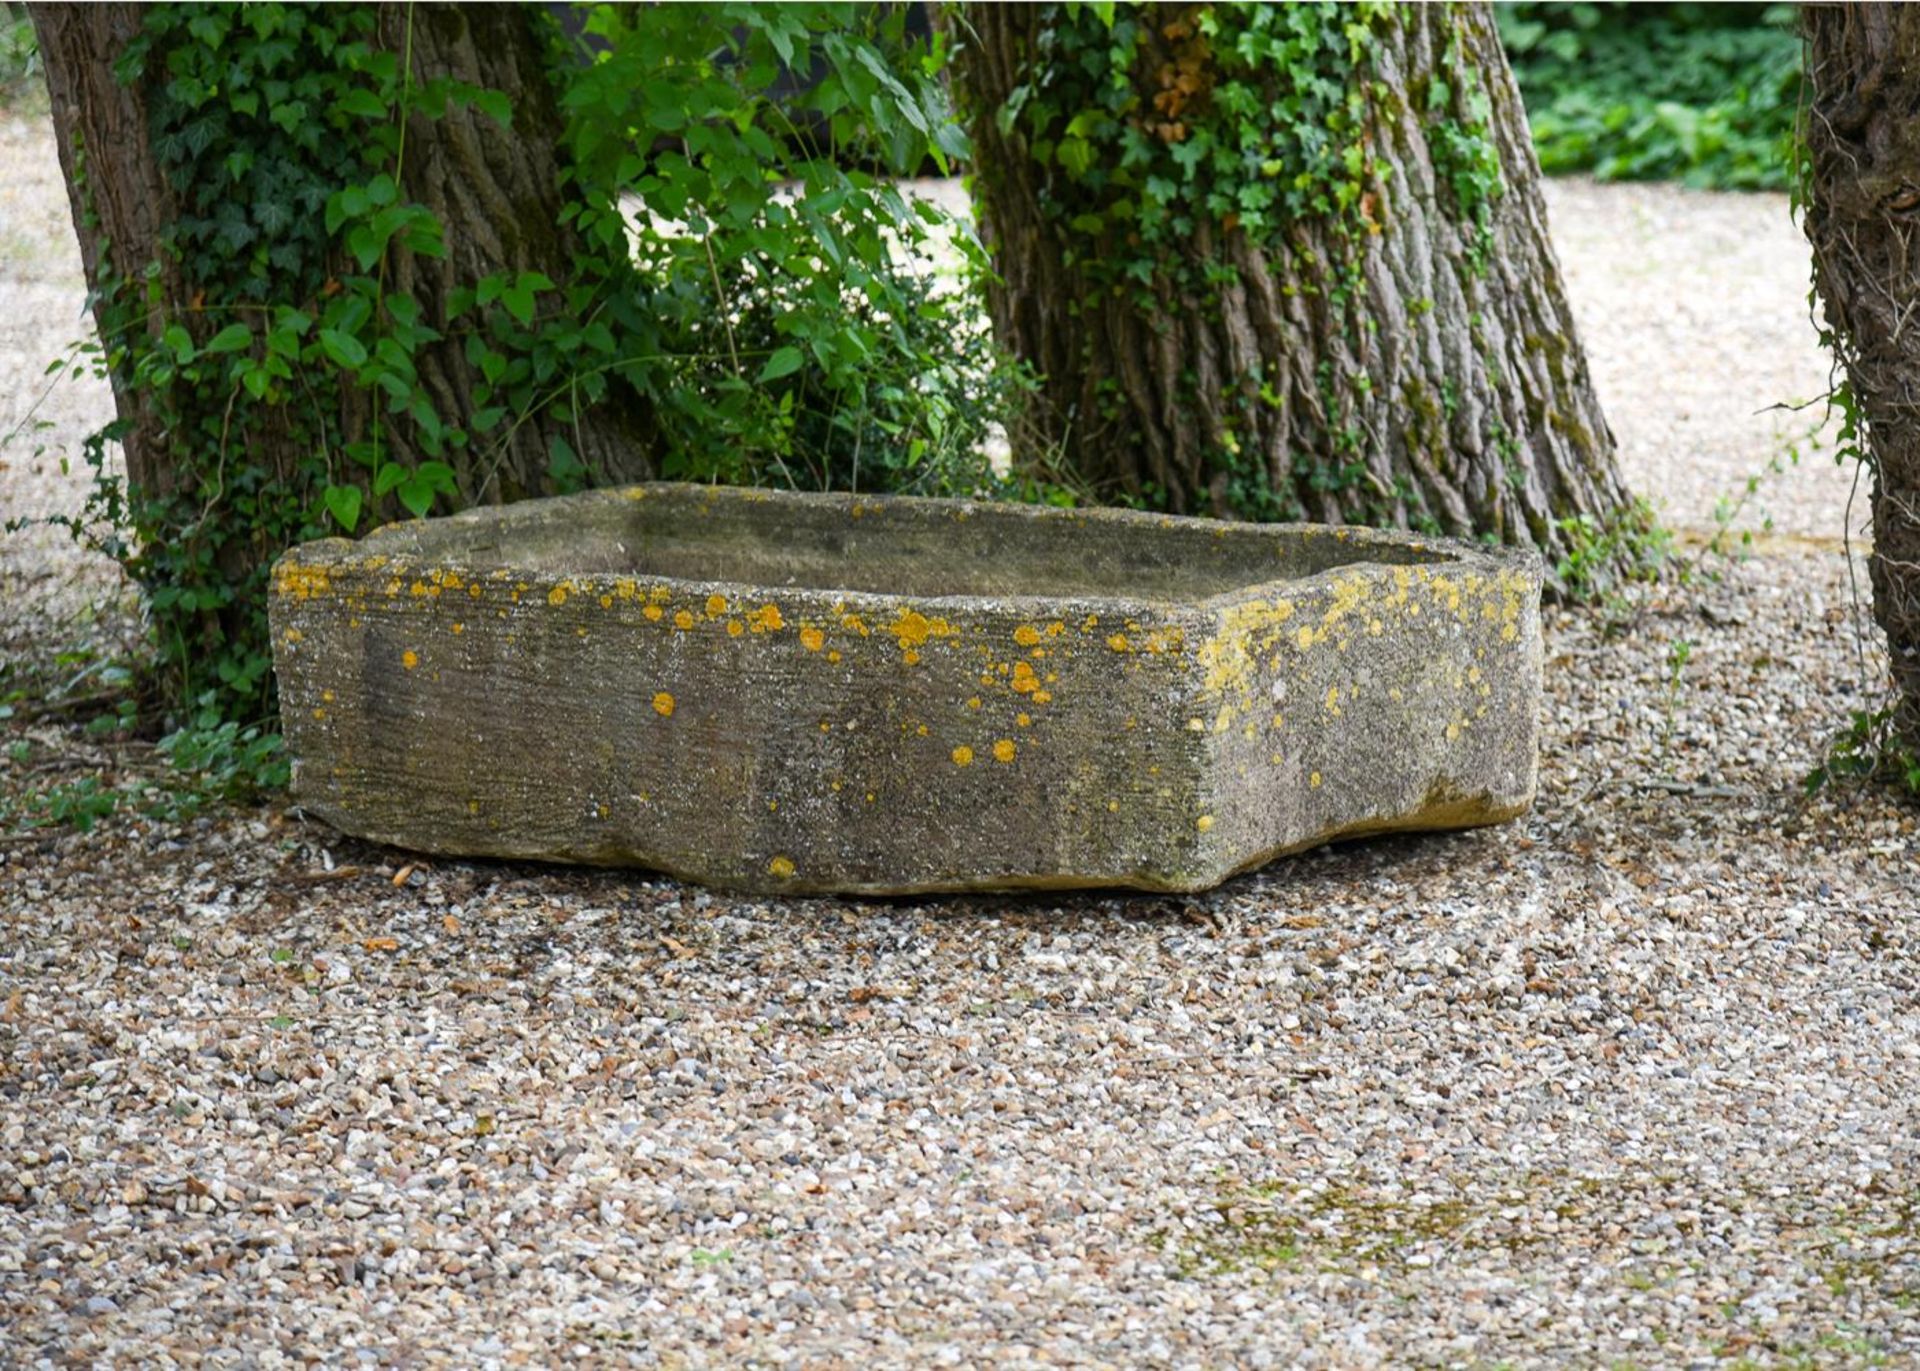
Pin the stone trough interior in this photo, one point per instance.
(887, 546)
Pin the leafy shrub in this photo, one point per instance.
(1704, 94)
(19, 54)
(741, 275)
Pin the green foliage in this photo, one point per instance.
(1705, 94)
(19, 54)
(1151, 124)
(1604, 558)
(759, 305)
(209, 762)
(1869, 748)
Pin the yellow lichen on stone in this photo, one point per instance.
(1023, 719)
(558, 595)
(409, 659)
(812, 639)
(735, 628)
(1004, 750)
(683, 620)
(716, 606)
(766, 619)
(1204, 823)
(297, 582)
(1024, 682)
(653, 613)
(663, 705)
(1026, 635)
(914, 629)
(963, 755)
(781, 867)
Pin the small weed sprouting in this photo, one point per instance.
(1868, 749)
(1678, 655)
(1607, 557)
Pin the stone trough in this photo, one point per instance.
(794, 693)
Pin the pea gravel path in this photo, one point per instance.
(1631, 1081)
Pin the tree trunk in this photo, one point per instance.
(1863, 218)
(1442, 387)
(495, 192)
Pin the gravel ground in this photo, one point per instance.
(1630, 1081)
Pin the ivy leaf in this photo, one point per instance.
(495, 105)
(362, 102)
(564, 465)
(180, 342)
(784, 362)
(343, 502)
(232, 338)
(345, 349)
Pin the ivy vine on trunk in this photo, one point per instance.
(1285, 261)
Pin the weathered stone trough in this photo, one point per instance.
(785, 692)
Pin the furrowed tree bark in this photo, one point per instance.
(1863, 219)
(1460, 397)
(496, 193)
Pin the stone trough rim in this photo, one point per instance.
(343, 551)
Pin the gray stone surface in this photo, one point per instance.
(789, 692)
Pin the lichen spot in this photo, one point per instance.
(683, 620)
(1313, 781)
(1055, 629)
(1041, 697)
(1024, 681)
(1024, 720)
(963, 755)
(781, 866)
(654, 613)
(1026, 635)
(557, 596)
(812, 639)
(1453, 732)
(606, 602)
(910, 657)
(663, 705)
(735, 628)
(716, 606)
(766, 619)
(473, 590)
(293, 635)
(1196, 725)
(1118, 642)
(459, 628)
(1304, 638)
(973, 702)
(1204, 823)
(409, 659)
(1004, 750)
(834, 656)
